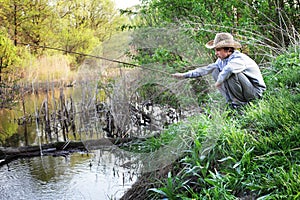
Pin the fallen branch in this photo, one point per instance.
(59, 148)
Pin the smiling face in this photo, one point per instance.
(222, 53)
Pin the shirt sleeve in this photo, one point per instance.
(200, 71)
(234, 66)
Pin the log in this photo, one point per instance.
(59, 148)
(9, 154)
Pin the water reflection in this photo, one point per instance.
(19, 129)
(96, 175)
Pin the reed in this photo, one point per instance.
(56, 68)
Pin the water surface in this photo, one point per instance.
(94, 176)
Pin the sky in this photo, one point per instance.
(122, 4)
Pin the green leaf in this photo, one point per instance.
(157, 191)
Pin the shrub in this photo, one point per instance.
(285, 72)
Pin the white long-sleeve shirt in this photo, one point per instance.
(237, 62)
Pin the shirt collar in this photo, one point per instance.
(222, 63)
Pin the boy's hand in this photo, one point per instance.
(218, 85)
(178, 75)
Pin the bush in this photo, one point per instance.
(285, 72)
(277, 113)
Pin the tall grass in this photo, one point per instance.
(250, 156)
(45, 68)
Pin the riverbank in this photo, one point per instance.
(251, 153)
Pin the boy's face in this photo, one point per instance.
(222, 53)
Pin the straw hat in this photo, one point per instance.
(223, 40)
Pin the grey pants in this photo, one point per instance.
(237, 88)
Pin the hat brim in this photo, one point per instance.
(234, 44)
(210, 44)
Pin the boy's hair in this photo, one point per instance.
(230, 49)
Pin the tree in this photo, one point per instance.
(277, 20)
(7, 53)
(97, 15)
(72, 25)
(8, 58)
(28, 22)
(85, 24)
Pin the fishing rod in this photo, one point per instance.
(93, 56)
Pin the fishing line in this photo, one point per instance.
(93, 56)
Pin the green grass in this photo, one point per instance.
(255, 155)
(237, 162)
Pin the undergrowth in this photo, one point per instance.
(253, 154)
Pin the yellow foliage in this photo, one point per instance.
(54, 68)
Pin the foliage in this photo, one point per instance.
(152, 144)
(170, 187)
(8, 59)
(78, 40)
(158, 94)
(270, 25)
(278, 114)
(7, 53)
(159, 55)
(249, 156)
(69, 25)
(285, 71)
(166, 50)
(262, 32)
(240, 164)
(37, 29)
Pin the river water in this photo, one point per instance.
(14, 133)
(95, 176)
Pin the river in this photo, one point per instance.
(97, 175)
(93, 176)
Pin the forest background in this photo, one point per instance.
(29, 27)
(255, 156)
